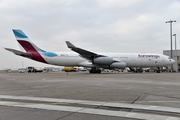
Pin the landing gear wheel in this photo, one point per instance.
(98, 71)
(94, 70)
(158, 70)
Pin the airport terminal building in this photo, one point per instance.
(176, 57)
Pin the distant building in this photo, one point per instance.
(176, 57)
(50, 69)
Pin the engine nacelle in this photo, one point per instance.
(103, 60)
(119, 65)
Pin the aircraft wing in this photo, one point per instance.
(20, 53)
(84, 53)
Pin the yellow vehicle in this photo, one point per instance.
(70, 69)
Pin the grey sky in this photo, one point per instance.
(96, 25)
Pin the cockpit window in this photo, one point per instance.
(169, 58)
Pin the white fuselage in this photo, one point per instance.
(131, 59)
(89, 59)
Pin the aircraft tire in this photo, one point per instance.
(98, 71)
(94, 71)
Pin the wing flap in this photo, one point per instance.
(20, 53)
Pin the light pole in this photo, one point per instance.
(175, 41)
(171, 21)
(175, 48)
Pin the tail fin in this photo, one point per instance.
(25, 42)
(28, 46)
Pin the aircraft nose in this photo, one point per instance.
(172, 61)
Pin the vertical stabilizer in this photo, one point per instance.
(24, 41)
(28, 46)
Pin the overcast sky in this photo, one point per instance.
(126, 26)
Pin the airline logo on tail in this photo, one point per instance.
(28, 46)
(24, 41)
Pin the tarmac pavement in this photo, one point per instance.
(107, 96)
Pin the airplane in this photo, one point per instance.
(84, 58)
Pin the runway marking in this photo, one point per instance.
(97, 103)
(133, 115)
(68, 101)
(159, 101)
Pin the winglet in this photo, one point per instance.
(70, 45)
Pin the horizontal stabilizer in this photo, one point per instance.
(20, 53)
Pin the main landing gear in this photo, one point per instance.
(95, 70)
(158, 70)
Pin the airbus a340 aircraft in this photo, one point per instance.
(86, 58)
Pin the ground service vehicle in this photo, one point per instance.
(34, 70)
(70, 69)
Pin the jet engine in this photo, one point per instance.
(119, 65)
(103, 60)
